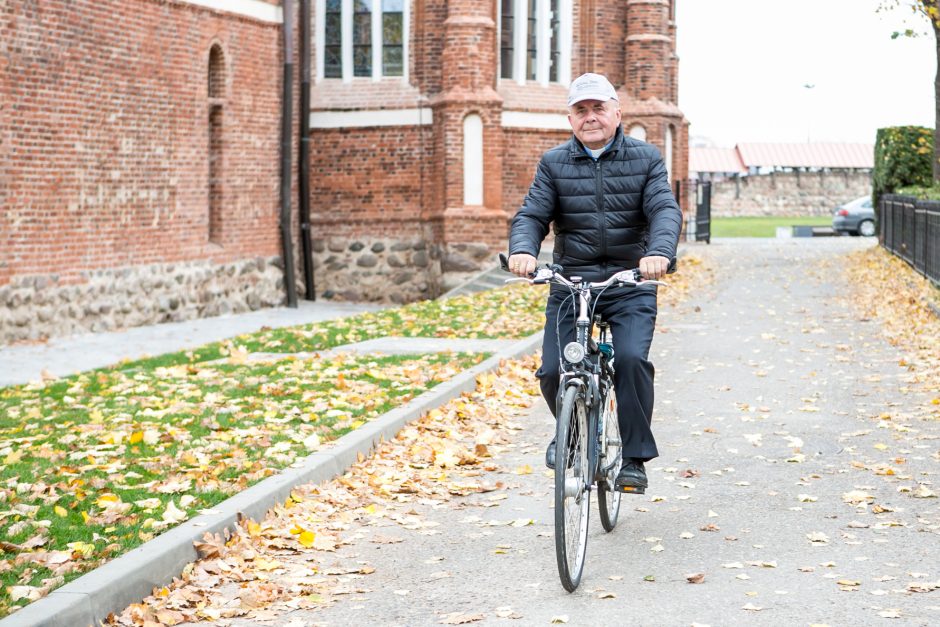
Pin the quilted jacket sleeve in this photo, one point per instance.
(531, 222)
(662, 212)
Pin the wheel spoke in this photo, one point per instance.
(572, 493)
(608, 498)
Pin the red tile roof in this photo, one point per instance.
(715, 160)
(815, 155)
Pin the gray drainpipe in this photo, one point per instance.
(304, 160)
(286, 127)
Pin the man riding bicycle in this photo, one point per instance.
(612, 206)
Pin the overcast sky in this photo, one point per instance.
(743, 65)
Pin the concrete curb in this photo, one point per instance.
(89, 599)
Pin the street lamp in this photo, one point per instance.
(809, 108)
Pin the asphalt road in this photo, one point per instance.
(776, 407)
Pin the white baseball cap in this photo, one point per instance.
(591, 87)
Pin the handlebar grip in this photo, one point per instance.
(503, 262)
(672, 265)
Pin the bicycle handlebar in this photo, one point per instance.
(553, 272)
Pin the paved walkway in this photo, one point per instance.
(64, 356)
(795, 472)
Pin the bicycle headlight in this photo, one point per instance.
(573, 353)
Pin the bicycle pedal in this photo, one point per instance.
(629, 489)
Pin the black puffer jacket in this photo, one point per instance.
(607, 214)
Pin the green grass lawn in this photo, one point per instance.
(97, 463)
(100, 462)
(762, 226)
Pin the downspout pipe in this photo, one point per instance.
(287, 116)
(304, 159)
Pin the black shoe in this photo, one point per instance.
(632, 477)
(550, 455)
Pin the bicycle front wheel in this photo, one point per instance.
(572, 488)
(608, 498)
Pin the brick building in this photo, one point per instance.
(140, 144)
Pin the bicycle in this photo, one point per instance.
(585, 407)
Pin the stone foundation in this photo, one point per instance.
(364, 270)
(393, 271)
(462, 261)
(376, 270)
(38, 307)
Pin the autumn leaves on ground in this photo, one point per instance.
(98, 463)
(144, 445)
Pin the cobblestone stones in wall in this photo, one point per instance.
(377, 270)
(462, 261)
(787, 193)
(38, 307)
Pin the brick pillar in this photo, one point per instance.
(468, 70)
(650, 92)
(648, 49)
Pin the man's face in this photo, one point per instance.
(594, 122)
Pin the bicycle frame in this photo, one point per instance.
(586, 373)
(583, 415)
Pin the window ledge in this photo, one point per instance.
(364, 93)
(533, 96)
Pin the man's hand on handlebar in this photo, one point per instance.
(522, 264)
(653, 267)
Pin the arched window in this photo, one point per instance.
(472, 160)
(216, 72)
(216, 94)
(637, 131)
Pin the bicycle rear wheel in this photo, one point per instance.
(572, 488)
(608, 498)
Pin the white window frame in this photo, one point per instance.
(473, 160)
(520, 25)
(347, 50)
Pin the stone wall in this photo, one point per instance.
(376, 270)
(787, 193)
(40, 306)
(393, 270)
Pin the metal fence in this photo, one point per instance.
(703, 211)
(697, 206)
(910, 229)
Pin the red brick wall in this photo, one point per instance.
(427, 19)
(368, 180)
(6, 225)
(598, 29)
(526, 147)
(105, 140)
(105, 143)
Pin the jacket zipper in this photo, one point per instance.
(598, 192)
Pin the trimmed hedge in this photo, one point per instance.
(903, 157)
(919, 192)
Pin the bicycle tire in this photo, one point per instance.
(573, 480)
(608, 498)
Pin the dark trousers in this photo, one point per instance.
(631, 314)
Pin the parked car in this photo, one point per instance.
(856, 217)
